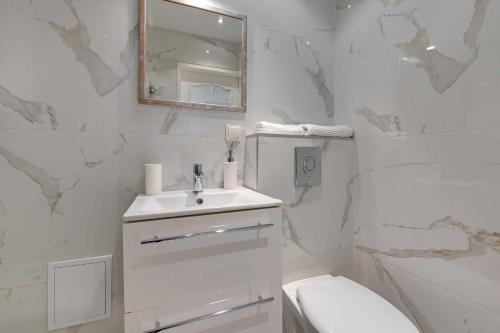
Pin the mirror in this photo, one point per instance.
(191, 56)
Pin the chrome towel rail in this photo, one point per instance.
(158, 239)
(160, 328)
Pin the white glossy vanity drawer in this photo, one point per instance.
(255, 309)
(171, 270)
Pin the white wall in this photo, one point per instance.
(428, 130)
(316, 224)
(73, 139)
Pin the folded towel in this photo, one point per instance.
(340, 131)
(272, 128)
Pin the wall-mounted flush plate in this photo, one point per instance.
(307, 166)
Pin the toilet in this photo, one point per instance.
(327, 304)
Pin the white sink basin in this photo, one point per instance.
(185, 203)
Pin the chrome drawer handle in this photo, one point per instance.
(208, 316)
(207, 233)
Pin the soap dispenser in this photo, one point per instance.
(230, 171)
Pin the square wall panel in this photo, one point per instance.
(79, 291)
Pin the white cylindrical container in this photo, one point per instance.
(153, 178)
(230, 175)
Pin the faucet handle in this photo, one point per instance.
(198, 169)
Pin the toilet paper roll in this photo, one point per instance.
(153, 178)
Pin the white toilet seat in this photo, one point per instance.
(328, 304)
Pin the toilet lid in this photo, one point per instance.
(339, 305)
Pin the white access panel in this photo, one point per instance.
(79, 291)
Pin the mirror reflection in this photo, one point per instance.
(192, 55)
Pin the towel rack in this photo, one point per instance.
(160, 328)
(158, 239)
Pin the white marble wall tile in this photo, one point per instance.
(294, 18)
(425, 89)
(73, 139)
(250, 163)
(24, 310)
(33, 184)
(338, 262)
(478, 282)
(177, 122)
(482, 91)
(433, 211)
(294, 68)
(19, 83)
(457, 177)
(92, 205)
(393, 97)
(67, 182)
(317, 229)
(431, 308)
(20, 309)
(416, 80)
(314, 215)
(79, 106)
(352, 15)
(177, 157)
(64, 70)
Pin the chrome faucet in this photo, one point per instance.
(197, 178)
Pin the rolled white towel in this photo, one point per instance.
(272, 128)
(340, 131)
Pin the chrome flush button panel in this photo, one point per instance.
(307, 166)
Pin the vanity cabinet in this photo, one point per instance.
(206, 273)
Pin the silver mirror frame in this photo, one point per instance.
(142, 55)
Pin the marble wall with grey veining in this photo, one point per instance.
(316, 221)
(419, 82)
(73, 139)
(316, 226)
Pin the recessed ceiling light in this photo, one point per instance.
(432, 47)
(220, 20)
(308, 42)
(207, 51)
